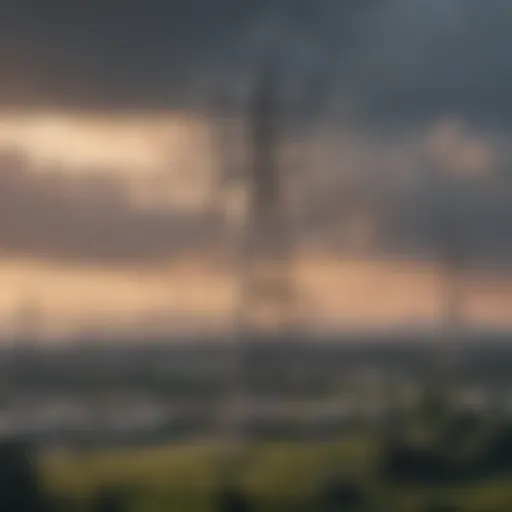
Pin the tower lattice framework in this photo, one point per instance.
(267, 301)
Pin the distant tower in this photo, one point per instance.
(267, 301)
(452, 255)
(26, 334)
(27, 321)
(449, 239)
(265, 305)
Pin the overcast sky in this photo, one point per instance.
(108, 101)
(391, 67)
(395, 59)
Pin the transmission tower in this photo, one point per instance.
(27, 324)
(450, 242)
(267, 303)
(265, 294)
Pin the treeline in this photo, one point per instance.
(435, 446)
(440, 443)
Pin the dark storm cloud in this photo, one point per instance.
(426, 59)
(91, 219)
(381, 62)
(392, 60)
(152, 53)
(87, 219)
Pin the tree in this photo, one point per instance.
(19, 479)
(109, 499)
(339, 494)
(232, 499)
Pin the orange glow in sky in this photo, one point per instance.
(121, 143)
(335, 291)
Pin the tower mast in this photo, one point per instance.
(267, 292)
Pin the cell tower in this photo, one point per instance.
(452, 255)
(452, 294)
(450, 243)
(267, 302)
(27, 321)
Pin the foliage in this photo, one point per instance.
(284, 477)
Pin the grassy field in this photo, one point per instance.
(278, 477)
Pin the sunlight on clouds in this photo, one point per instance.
(67, 297)
(458, 151)
(165, 159)
(337, 293)
(121, 143)
(170, 159)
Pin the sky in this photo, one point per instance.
(115, 121)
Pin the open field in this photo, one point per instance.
(278, 476)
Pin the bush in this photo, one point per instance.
(496, 456)
(340, 494)
(440, 506)
(232, 499)
(19, 481)
(401, 462)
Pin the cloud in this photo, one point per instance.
(155, 54)
(391, 194)
(389, 61)
(422, 60)
(457, 151)
(89, 219)
(404, 192)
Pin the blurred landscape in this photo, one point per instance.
(141, 423)
(256, 256)
(161, 393)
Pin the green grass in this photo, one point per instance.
(279, 476)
